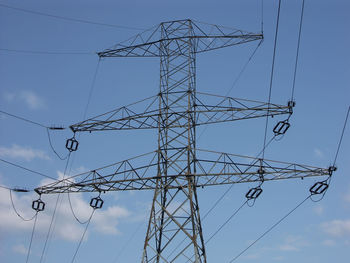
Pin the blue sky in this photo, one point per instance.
(53, 90)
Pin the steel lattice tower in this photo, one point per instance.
(178, 166)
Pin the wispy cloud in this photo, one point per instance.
(29, 98)
(293, 243)
(318, 209)
(318, 153)
(251, 256)
(347, 196)
(329, 243)
(337, 228)
(20, 249)
(25, 153)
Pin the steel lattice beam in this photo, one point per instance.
(177, 168)
(214, 168)
(220, 109)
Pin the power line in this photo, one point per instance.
(244, 68)
(49, 231)
(42, 126)
(53, 149)
(26, 51)
(225, 223)
(222, 226)
(75, 216)
(27, 169)
(270, 229)
(272, 73)
(84, 115)
(32, 122)
(222, 197)
(262, 16)
(53, 214)
(68, 18)
(237, 78)
(82, 237)
(31, 237)
(126, 244)
(298, 46)
(24, 119)
(92, 88)
(5, 187)
(341, 137)
(16, 211)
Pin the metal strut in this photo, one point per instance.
(178, 167)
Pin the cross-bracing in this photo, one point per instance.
(178, 167)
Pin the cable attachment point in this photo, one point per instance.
(72, 144)
(96, 202)
(291, 105)
(261, 173)
(319, 188)
(331, 169)
(253, 193)
(281, 127)
(38, 205)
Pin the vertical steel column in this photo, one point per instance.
(174, 230)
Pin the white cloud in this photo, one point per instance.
(9, 97)
(29, 98)
(347, 196)
(26, 153)
(251, 256)
(329, 243)
(318, 153)
(337, 228)
(104, 221)
(288, 247)
(20, 249)
(318, 209)
(293, 243)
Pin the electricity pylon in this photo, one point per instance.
(178, 167)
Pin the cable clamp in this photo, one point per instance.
(96, 202)
(38, 205)
(331, 169)
(319, 188)
(253, 193)
(291, 105)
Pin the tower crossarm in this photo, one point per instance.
(138, 173)
(124, 118)
(218, 168)
(209, 109)
(214, 168)
(215, 109)
(206, 37)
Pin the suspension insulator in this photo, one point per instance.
(281, 127)
(38, 205)
(253, 193)
(96, 203)
(319, 188)
(331, 169)
(72, 144)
